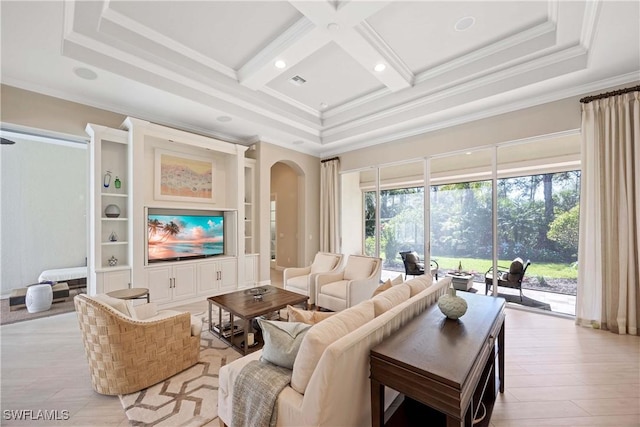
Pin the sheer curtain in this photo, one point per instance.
(608, 262)
(330, 206)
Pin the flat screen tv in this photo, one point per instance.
(174, 234)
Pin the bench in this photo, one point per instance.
(18, 296)
(75, 277)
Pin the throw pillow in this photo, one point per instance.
(418, 284)
(390, 298)
(358, 267)
(515, 270)
(386, 285)
(397, 280)
(282, 341)
(115, 303)
(309, 317)
(323, 263)
(323, 335)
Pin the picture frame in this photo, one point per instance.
(183, 177)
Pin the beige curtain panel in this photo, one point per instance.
(608, 265)
(330, 206)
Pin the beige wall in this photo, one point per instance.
(24, 108)
(555, 117)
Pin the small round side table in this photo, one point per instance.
(131, 293)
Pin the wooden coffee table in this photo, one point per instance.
(247, 306)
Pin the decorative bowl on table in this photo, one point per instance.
(257, 292)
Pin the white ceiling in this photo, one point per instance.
(187, 63)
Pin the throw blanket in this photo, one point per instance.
(255, 392)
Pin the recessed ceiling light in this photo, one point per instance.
(85, 73)
(332, 26)
(323, 105)
(280, 64)
(224, 119)
(465, 23)
(468, 153)
(380, 67)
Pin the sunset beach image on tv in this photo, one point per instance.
(172, 237)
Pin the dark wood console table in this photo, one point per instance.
(444, 365)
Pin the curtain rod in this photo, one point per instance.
(328, 160)
(588, 99)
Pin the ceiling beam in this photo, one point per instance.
(295, 44)
(347, 27)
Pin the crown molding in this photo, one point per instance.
(370, 35)
(128, 24)
(468, 86)
(589, 20)
(422, 78)
(256, 108)
(552, 11)
(294, 103)
(551, 96)
(506, 43)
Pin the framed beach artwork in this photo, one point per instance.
(182, 177)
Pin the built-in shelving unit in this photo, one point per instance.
(118, 244)
(109, 255)
(249, 206)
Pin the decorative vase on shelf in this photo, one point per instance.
(112, 211)
(113, 261)
(117, 182)
(113, 237)
(452, 305)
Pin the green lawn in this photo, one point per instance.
(548, 269)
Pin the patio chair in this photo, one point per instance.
(414, 267)
(508, 277)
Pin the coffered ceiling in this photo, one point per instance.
(211, 66)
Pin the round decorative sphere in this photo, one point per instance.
(451, 305)
(112, 211)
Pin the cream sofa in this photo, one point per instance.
(330, 381)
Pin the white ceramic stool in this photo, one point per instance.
(38, 298)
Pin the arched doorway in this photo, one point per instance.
(286, 215)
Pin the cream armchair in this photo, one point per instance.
(130, 348)
(302, 280)
(350, 285)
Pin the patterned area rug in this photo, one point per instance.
(189, 398)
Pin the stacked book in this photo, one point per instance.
(226, 329)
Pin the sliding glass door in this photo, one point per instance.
(461, 215)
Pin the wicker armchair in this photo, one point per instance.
(126, 355)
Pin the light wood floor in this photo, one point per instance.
(557, 374)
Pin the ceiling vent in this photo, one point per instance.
(297, 80)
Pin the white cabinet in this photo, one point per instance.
(216, 276)
(113, 280)
(170, 283)
(250, 270)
